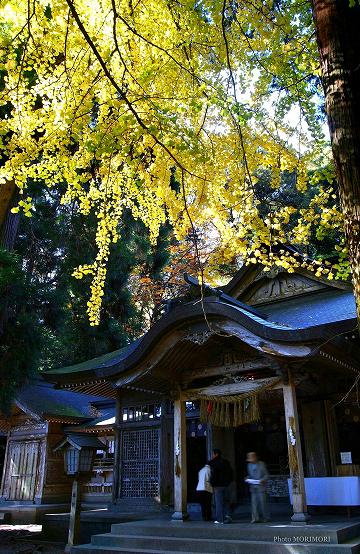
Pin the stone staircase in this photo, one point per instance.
(165, 537)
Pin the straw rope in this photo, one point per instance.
(233, 410)
(227, 414)
(231, 398)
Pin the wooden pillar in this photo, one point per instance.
(180, 469)
(117, 452)
(5, 481)
(332, 435)
(75, 512)
(295, 455)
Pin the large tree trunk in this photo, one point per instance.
(8, 231)
(338, 34)
(7, 192)
(9, 224)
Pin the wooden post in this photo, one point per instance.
(74, 522)
(180, 473)
(295, 455)
(5, 481)
(117, 451)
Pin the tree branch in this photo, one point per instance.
(121, 92)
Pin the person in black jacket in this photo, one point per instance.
(220, 479)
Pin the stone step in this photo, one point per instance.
(243, 547)
(225, 546)
(239, 531)
(137, 505)
(92, 549)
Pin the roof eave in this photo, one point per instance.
(192, 312)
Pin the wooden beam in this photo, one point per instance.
(295, 454)
(166, 477)
(180, 468)
(228, 369)
(316, 444)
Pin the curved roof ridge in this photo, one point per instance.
(182, 316)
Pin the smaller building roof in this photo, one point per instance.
(107, 360)
(43, 399)
(78, 441)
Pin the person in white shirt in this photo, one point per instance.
(205, 491)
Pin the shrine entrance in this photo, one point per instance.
(268, 439)
(231, 407)
(196, 454)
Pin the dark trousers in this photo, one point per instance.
(222, 503)
(205, 503)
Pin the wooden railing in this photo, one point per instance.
(97, 488)
(103, 463)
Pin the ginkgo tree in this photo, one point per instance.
(113, 98)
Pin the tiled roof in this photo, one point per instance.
(107, 360)
(42, 398)
(79, 440)
(292, 322)
(326, 306)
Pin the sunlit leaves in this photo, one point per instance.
(110, 96)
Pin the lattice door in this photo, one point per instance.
(140, 463)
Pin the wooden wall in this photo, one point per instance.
(33, 473)
(315, 440)
(23, 475)
(57, 485)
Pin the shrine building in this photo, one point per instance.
(270, 362)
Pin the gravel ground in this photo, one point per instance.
(25, 539)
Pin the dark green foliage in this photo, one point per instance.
(47, 324)
(21, 336)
